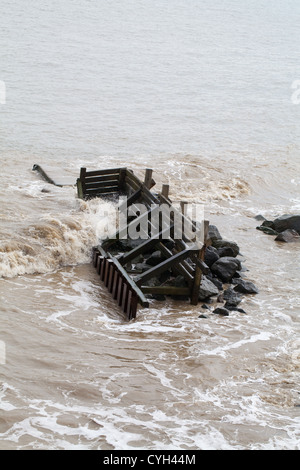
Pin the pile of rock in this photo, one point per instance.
(224, 278)
(285, 228)
(222, 283)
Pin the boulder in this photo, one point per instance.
(232, 298)
(226, 251)
(213, 233)
(226, 267)
(207, 289)
(211, 255)
(267, 230)
(288, 236)
(219, 244)
(155, 258)
(245, 287)
(221, 311)
(287, 221)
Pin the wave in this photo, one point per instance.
(56, 241)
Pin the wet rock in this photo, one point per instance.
(221, 311)
(226, 251)
(211, 255)
(207, 289)
(159, 297)
(155, 258)
(288, 236)
(231, 297)
(267, 230)
(213, 233)
(205, 306)
(245, 287)
(203, 316)
(226, 267)
(219, 244)
(286, 222)
(236, 309)
(216, 282)
(259, 217)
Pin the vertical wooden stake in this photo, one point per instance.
(148, 178)
(165, 190)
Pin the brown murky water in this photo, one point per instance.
(75, 374)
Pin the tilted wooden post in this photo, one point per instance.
(148, 178)
(198, 270)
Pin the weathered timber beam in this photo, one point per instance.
(166, 290)
(142, 299)
(162, 267)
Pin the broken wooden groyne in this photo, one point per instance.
(116, 259)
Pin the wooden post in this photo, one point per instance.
(165, 190)
(148, 178)
(198, 270)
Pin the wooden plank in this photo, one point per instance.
(182, 268)
(124, 297)
(104, 184)
(130, 176)
(101, 191)
(120, 290)
(166, 290)
(115, 284)
(52, 176)
(99, 179)
(142, 299)
(102, 269)
(130, 200)
(162, 267)
(110, 277)
(111, 171)
(80, 193)
(100, 261)
(146, 245)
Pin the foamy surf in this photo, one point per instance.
(56, 241)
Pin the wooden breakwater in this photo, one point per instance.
(116, 259)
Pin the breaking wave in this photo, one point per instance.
(56, 241)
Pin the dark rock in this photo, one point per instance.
(207, 288)
(226, 251)
(142, 267)
(202, 316)
(235, 309)
(226, 244)
(245, 287)
(232, 298)
(205, 306)
(267, 230)
(226, 267)
(216, 282)
(288, 236)
(45, 190)
(211, 255)
(259, 217)
(268, 223)
(178, 281)
(221, 311)
(287, 221)
(213, 233)
(159, 297)
(155, 258)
